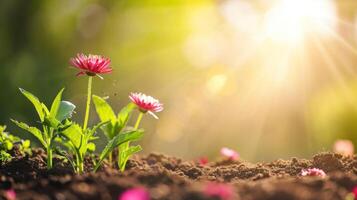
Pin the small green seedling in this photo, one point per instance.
(121, 139)
(7, 143)
(78, 142)
(53, 121)
(115, 131)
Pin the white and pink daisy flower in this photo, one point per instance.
(344, 147)
(229, 153)
(146, 103)
(313, 172)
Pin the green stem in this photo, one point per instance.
(89, 97)
(49, 134)
(77, 164)
(80, 164)
(122, 161)
(122, 167)
(49, 157)
(140, 117)
(81, 167)
(110, 159)
(120, 155)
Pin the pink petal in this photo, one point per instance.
(223, 191)
(10, 194)
(344, 147)
(135, 194)
(354, 191)
(229, 153)
(93, 64)
(203, 161)
(146, 103)
(313, 172)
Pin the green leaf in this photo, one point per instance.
(8, 145)
(63, 141)
(26, 144)
(91, 147)
(127, 154)
(36, 103)
(11, 138)
(4, 156)
(119, 139)
(64, 125)
(124, 115)
(89, 136)
(105, 112)
(74, 134)
(95, 128)
(33, 130)
(56, 104)
(65, 155)
(51, 122)
(132, 150)
(65, 110)
(45, 109)
(93, 138)
(2, 129)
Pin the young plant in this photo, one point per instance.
(53, 121)
(145, 104)
(8, 141)
(79, 142)
(115, 129)
(91, 65)
(79, 139)
(116, 122)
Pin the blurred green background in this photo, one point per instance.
(270, 79)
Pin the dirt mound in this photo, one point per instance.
(170, 178)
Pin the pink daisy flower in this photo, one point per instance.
(135, 194)
(91, 65)
(220, 190)
(313, 172)
(344, 147)
(10, 194)
(146, 103)
(203, 161)
(354, 192)
(229, 153)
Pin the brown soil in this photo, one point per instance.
(170, 178)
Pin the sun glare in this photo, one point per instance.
(289, 21)
(216, 83)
